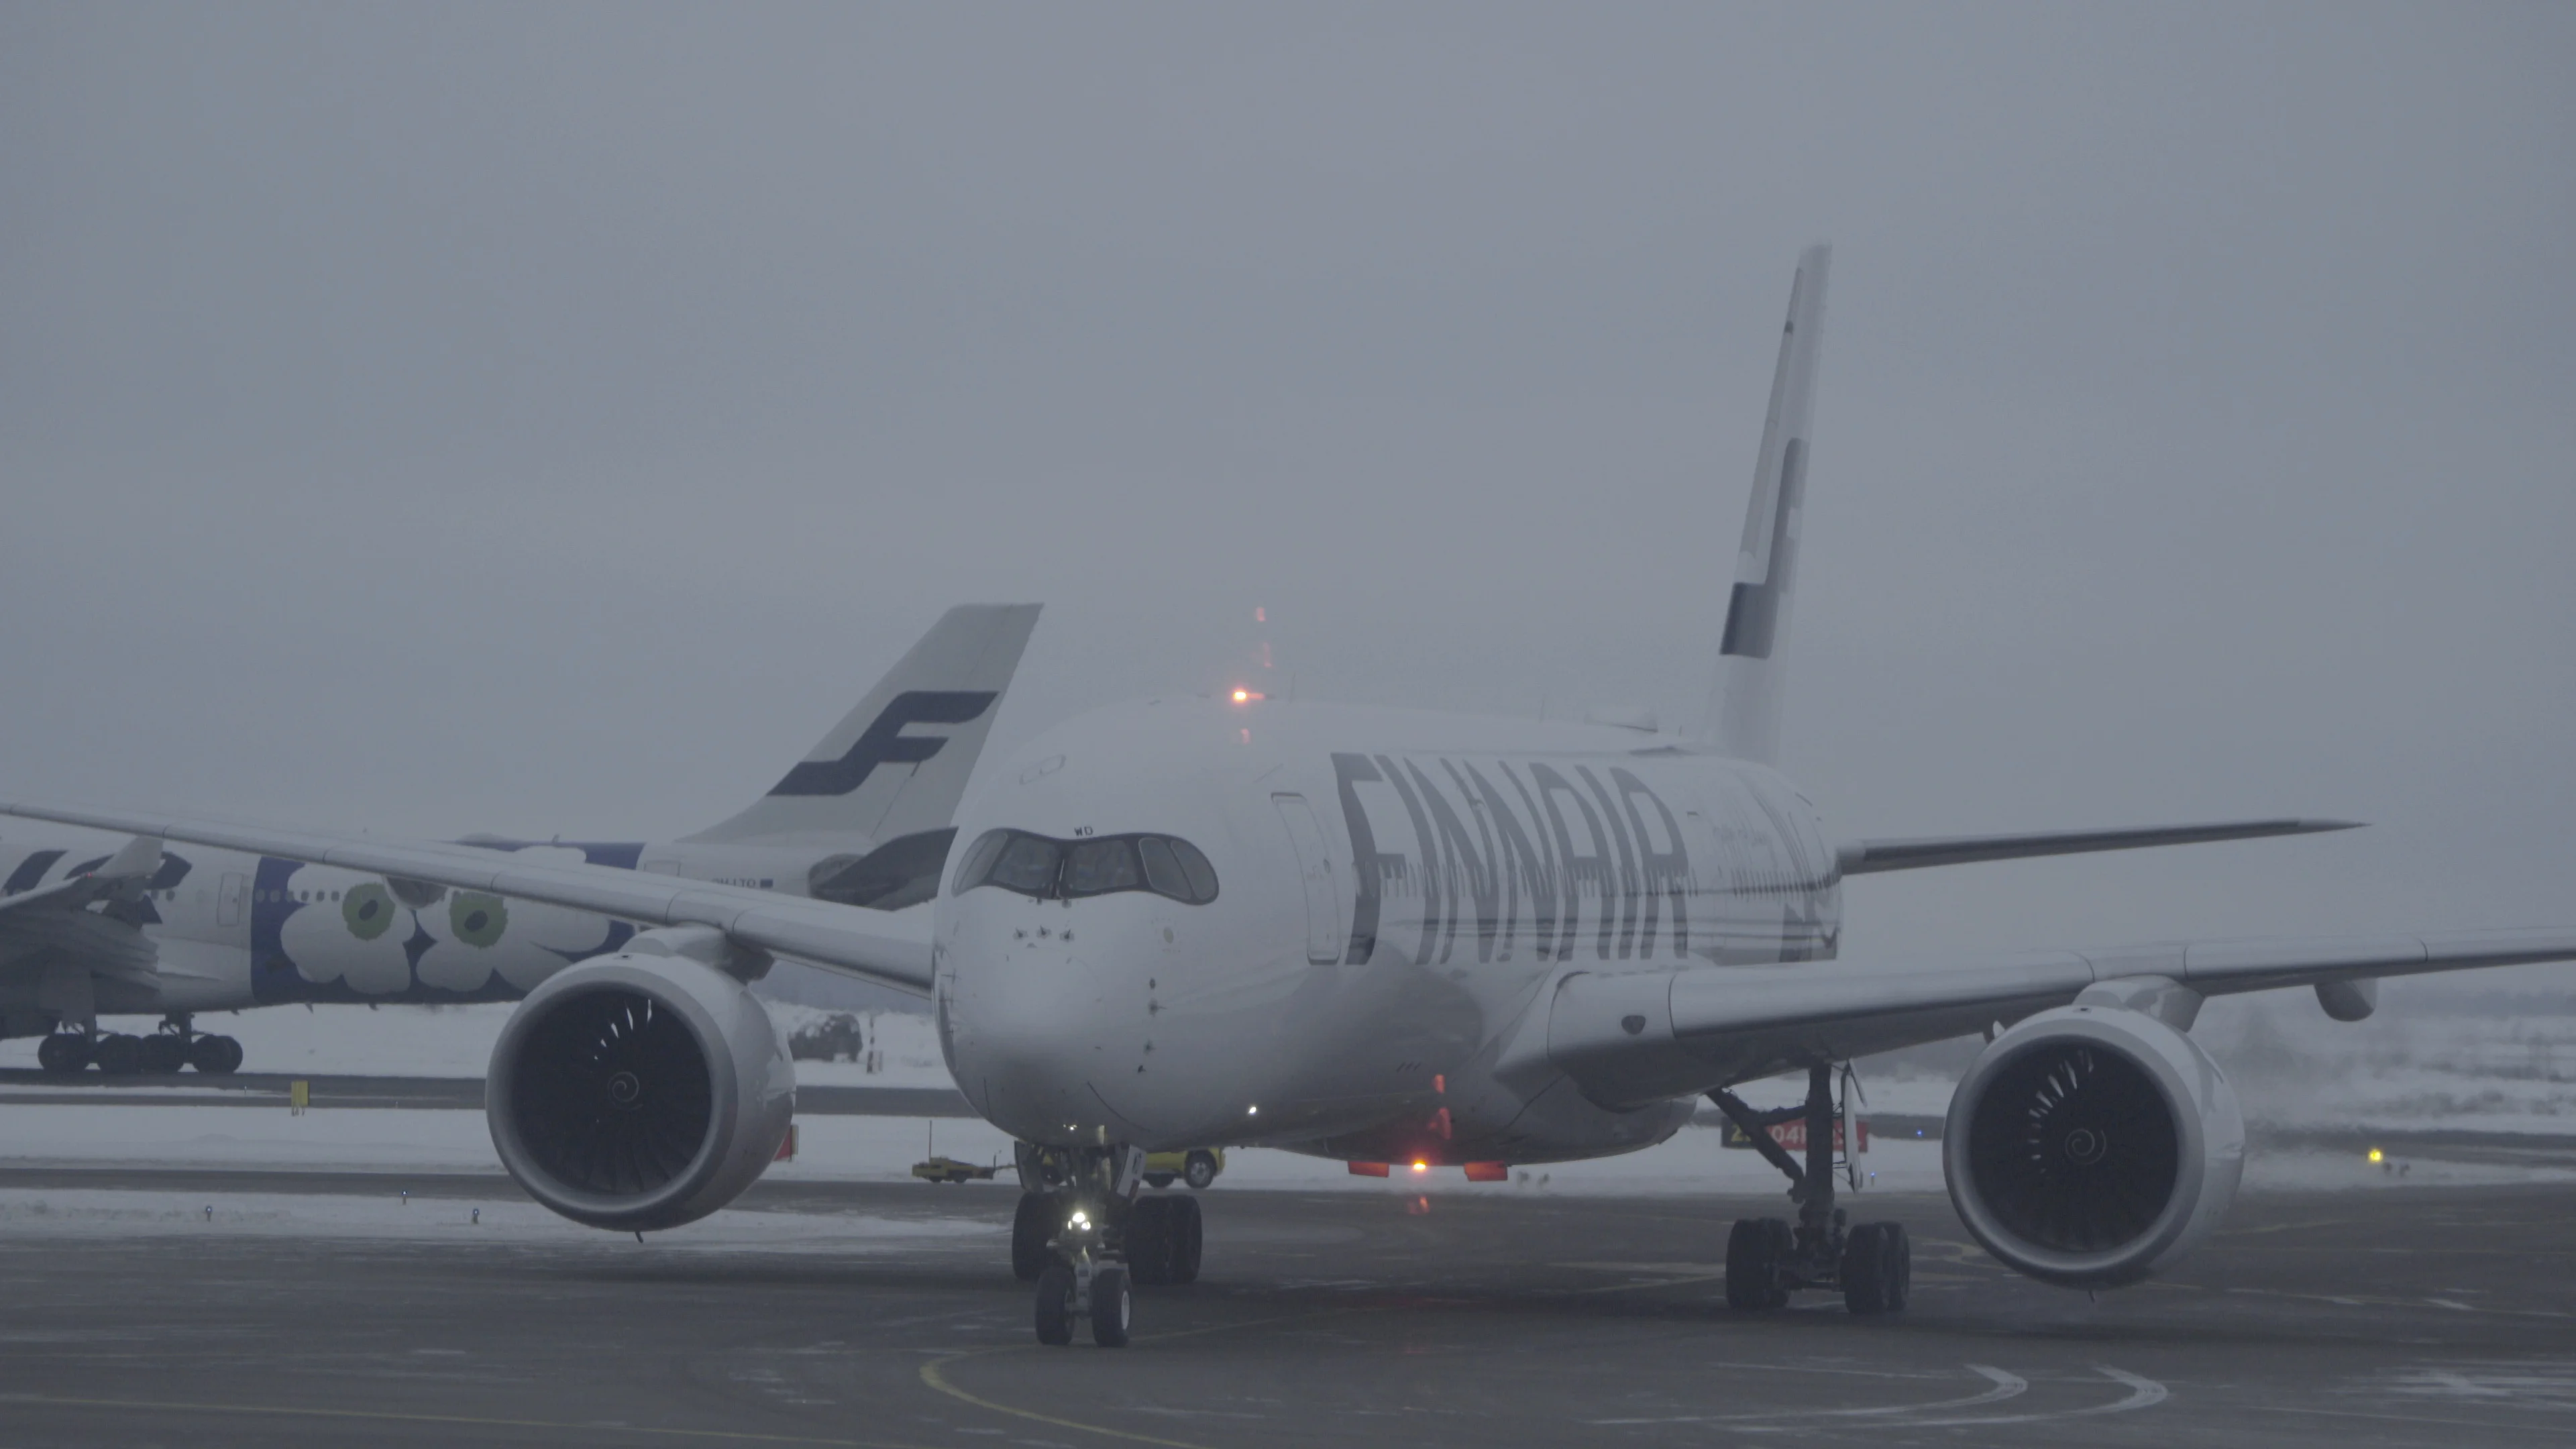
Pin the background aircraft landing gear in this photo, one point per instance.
(63, 1053)
(216, 1056)
(161, 1053)
(117, 1054)
(1767, 1259)
(178, 1043)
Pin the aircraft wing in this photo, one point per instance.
(890, 950)
(1648, 1036)
(1865, 857)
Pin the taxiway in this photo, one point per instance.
(320, 1309)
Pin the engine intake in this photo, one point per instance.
(2091, 1146)
(638, 1092)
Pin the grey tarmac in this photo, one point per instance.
(2387, 1316)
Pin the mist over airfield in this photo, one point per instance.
(550, 420)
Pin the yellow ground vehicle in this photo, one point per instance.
(1198, 1167)
(950, 1170)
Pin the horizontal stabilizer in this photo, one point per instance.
(1866, 856)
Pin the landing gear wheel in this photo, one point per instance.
(63, 1053)
(1186, 1240)
(1877, 1268)
(1112, 1306)
(1755, 1250)
(1199, 1170)
(162, 1052)
(1031, 1230)
(119, 1055)
(215, 1055)
(1055, 1305)
(1151, 1242)
(1864, 1270)
(1896, 1266)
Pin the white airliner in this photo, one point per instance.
(1381, 935)
(87, 931)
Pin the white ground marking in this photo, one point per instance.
(2005, 1386)
(2144, 1393)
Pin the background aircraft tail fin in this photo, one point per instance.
(1743, 715)
(898, 763)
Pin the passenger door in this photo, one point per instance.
(1315, 869)
(229, 898)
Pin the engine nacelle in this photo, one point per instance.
(2093, 1145)
(637, 1092)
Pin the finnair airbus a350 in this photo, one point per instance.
(1383, 935)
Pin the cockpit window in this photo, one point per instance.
(1034, 865)
(1097, 867)
(981, 855)
(1202, 875)
(1027, 864)
(1163, 872)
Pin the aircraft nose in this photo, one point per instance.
(1026, 1018)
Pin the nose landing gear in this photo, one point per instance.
(1767, 1259)
(1080, 1282)
(1083, 1237)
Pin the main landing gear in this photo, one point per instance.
(1087, 1240)
(177, 1044)
(1767, 1259)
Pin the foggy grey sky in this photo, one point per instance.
(550, 418)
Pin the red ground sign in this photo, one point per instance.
(1793, 1135)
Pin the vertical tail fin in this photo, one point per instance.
(1743, 716)
(897, 764)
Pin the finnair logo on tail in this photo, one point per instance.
(1753, 613)
(885, 743)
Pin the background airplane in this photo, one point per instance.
(1376, 934)
(863, 819)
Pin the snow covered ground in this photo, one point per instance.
(79, 1213)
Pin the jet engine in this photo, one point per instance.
(2091, 1146)
(639, 1091)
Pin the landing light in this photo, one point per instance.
(1246, 696)
(1079, 1220)
(1251, 1111)
(2374, 1154)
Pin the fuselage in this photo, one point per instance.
(1394, 891)
(227, 930)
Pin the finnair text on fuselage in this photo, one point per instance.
(1513, 850)
(1573, 858)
